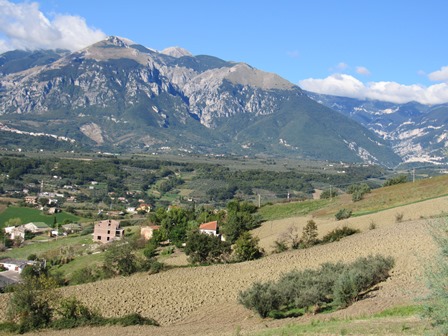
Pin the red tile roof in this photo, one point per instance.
(209, 226)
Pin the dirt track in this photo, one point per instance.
(202, 300)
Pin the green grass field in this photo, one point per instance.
(396, 321)
(286, 210)
(33, 215)
(39, 247)
(81, 262)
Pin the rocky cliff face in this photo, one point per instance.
(120, 94)
(417, 133)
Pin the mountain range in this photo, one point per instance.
(417, 133)
(117, 95)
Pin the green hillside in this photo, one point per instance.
(27, 215)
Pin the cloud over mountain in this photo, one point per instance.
(24, 26)
(439, 75)
(348, 86)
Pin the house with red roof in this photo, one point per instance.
(210, 228)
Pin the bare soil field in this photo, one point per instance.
(203, 300)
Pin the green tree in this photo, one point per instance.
(31, 304)
(43, 201)
(202, 248)
(309, 235)
(241, 217)
(246, 247)
(119, 259)
(13, 222)
(174, 223)
(328, 193)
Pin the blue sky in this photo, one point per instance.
(392, 50)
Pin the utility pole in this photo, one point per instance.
(259, 201)
(413, 175)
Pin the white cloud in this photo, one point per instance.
(348, 86)
(362, 71)
(439, 75)
(340, 67)
(24, 26)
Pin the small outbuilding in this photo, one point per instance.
(13, 264)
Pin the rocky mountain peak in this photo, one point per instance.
(119, 94)
(244, 74)
(119, 41)
(176, 52)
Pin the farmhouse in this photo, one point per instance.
(37, 227)
(106, 231)
(31, 200)
(210, 228)
(15, 232)
(143, 207)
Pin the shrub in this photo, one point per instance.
(86, 275)
(32, 257)
(72, 313)
(358, 191)
(168, 250)
(309, 235)
(329, 193)
(262, 298)
(372, 225)
(343, 214)
(331, 284)
(396, 180)
(280, 246)
(362, 275)
(156, 267)
(338, 234)
(399, 217)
